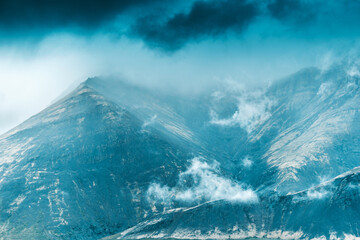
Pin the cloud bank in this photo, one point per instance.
(199, 183)
(171, 25)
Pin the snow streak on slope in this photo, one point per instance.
(293, 148)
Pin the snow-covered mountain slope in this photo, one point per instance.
(78, 170)
(313, 132)
(155, 109)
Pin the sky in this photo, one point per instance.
(48, 47)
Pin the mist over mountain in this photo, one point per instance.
(197, 119)
(48, 47)
(113, 158)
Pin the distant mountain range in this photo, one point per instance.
(115, 160)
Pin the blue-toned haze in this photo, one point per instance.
(196, 119)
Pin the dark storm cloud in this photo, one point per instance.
(210, 19)
(318, 19)
(169, 25)
(293, 11)
(205, 19)
(19, 16)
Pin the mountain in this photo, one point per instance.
(305, 132)
(116, 160)
(77, 170)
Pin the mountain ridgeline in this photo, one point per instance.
(113, 160)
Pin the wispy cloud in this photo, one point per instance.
(149, 122)
(325, 90)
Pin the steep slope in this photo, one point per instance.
(79, 170)
(157, 110)
(299, 132)
(182, 118)
(313, 131)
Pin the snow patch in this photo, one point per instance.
(18, 200)
(216, 233)
(15, 151)
(54, 115)
(179, 131)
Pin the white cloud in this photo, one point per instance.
(353, 72)
(317, 194)
(246, 162)
(162, 194)
(201, 182)
(253, 108)
(325, 90)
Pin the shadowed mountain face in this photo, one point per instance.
(112, 158)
